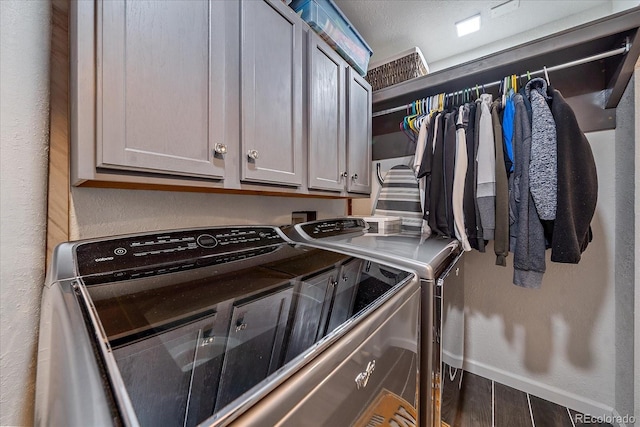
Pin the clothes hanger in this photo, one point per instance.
(546, 75)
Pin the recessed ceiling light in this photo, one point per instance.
(468, 26)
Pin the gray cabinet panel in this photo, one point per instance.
(312, 303)
(358, 134)
(327, 146)
(186, 366)
(254, 349)
(271, 93)
(160, 82)
(345, 293)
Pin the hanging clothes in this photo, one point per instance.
(543, 169)
(424, 172)
(526, 230)
(476, 144)
(437, 213)
(486, 158)
(457, 197)
(501, 244)
(469, 204)
(518, 171)
(417, 161)
(507, 133)
(577, 185)
(449, 160)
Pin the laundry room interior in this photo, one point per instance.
(128, 120)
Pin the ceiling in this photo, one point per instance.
(390, 27)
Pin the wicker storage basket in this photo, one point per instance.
(406, 65)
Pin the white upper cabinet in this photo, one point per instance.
(271, 93)
(160, 81)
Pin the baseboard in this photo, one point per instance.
(544, 391)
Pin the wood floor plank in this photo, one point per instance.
(475, 398)
(548, 414)
(511, 407)
(451, 403)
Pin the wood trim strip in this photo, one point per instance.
(189, 189)
(58, 175)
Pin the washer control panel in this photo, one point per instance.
(134, 252)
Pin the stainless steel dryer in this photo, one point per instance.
(434, 260)
(226, 325)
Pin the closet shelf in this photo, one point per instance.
(597, 84)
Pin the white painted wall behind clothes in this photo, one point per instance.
(24, 120)
(557, 342)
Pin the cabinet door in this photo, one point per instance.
(254, 349)
(358, 134)
(188, 367)
(327, 146)
(312, 303)
(271, 93)
(160, 87)
(345, 293)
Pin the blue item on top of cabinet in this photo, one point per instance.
(329, 22)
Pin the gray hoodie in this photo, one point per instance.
(543, 169)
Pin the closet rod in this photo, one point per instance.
(621, 50)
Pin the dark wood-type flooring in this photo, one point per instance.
(469, 400)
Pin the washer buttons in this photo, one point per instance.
(207, 241)
(120, 251)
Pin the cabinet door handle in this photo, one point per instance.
(362, 379)
(344, 174)
(345, 278)
(220, 149)
(354, 176)
(252, 154)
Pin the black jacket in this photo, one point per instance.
(469, 203)
(577, 185)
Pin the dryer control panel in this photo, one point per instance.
(333, 227)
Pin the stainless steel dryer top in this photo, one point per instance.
(424, 255)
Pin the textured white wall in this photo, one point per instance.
(636, 282)
(104, 212)
(625, 173)
(24, 103)
(558, 341)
